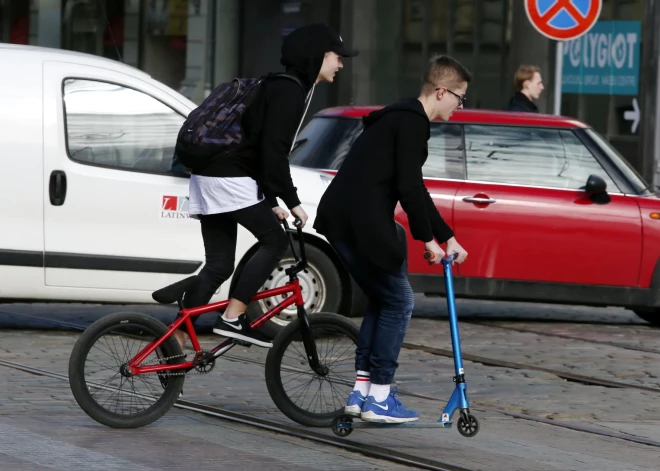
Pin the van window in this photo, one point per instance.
(109, 125)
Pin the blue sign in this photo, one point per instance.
(603, 61)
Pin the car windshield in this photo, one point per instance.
(629, 172)
(324, 142)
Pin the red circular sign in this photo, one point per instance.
(581, 23)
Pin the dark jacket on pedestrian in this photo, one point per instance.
(272, 119)
(383, 168)
(520, 102)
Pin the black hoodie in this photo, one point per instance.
(271, 121)
(383, 168)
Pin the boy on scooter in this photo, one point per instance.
(356, 214)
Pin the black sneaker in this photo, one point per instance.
(239, 328)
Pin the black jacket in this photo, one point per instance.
(270, 122)
(520, 102)
(383, 168)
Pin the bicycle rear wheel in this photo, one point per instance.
(95, 375)
(300, 393)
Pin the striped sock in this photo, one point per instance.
(362, 382)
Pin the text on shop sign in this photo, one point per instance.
(603, 61)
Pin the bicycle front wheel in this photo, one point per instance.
(307, 397)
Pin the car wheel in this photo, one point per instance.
(652, 316)
(321, 288)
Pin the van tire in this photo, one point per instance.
(321, 277)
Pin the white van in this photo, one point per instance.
(91, 209)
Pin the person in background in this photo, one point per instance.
(529, 86)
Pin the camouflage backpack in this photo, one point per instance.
(214, 127)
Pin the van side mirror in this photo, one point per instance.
(596, 188)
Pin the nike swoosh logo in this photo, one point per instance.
(382, 407)
(237, 327)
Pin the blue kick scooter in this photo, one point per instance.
(467, 424)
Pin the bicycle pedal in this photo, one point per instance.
(242, 343)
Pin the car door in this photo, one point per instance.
(522, 214)
(115, 214)
(443, 172)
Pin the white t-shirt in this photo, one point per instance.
(212, 195)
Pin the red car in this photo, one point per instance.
(546, 208)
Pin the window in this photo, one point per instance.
(325, 142)
(530, 156)
(445, 158)
(114, 126)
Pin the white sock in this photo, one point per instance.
(224, 316)
(379, 391)
(362, 382)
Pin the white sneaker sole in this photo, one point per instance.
(236, 335)
(371, 416)
(355, 411)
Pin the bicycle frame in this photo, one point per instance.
(292, 287)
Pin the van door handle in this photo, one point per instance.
(471, 199)
(57, 188)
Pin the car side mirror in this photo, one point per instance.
(596, 188)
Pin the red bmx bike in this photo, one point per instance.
(127, 369)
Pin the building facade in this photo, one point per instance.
(193, 45)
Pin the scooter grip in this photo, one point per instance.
(297, 222)
(428, 255)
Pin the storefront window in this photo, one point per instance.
(94, 27)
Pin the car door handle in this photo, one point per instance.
(471, 199)
(57, 188)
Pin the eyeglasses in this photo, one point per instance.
(461, 98)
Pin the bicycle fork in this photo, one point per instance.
(309, 343)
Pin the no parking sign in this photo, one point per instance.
(562, 20)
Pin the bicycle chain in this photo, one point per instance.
(194, 371)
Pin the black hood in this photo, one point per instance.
(303, 50)
(412, 105)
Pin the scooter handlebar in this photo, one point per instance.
(430, 256)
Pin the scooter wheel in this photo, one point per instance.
(468, 425)
(341, 425)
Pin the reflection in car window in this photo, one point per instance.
(445, 158)
(530, 156)
(114, 126)
(324, 142)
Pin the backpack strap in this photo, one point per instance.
(290, 77)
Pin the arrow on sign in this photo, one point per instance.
(633, 115)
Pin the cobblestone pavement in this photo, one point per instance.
(31, 402)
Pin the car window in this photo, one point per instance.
(445, 159)
(530, 156)
(324, 142)
(110, 125)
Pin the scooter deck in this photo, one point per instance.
(355, 422)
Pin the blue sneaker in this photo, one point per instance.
(390, 411)
(354, 403)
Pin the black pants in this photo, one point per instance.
(219, 233)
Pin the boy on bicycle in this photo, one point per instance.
(242, 187)
(356, 214)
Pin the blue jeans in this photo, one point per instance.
(386, 318)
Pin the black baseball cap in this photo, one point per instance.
(320, 35)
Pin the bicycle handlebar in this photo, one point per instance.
(302, 260)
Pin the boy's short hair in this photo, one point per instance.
(524, 72)
(444, 71)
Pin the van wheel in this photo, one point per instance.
(321, 289)
(652, 316)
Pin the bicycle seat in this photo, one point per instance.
(174, 292)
